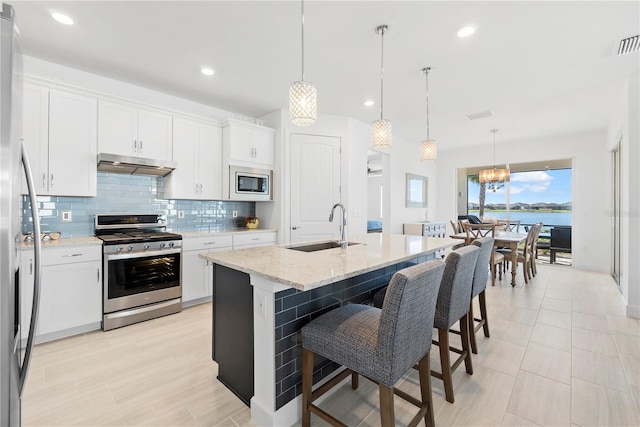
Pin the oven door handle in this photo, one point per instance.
(113, 257)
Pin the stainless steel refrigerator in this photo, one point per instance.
(15, 344)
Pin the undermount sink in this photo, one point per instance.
(320, 246)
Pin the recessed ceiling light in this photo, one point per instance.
(207, 71)
(369, 102)
(466, 31)
(62, 18)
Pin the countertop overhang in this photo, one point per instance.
(309, 270)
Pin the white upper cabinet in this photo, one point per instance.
(35, 134)
(247, 144)
(130, 131)
(197, 148)
(59, 130)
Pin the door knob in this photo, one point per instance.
(295, 227)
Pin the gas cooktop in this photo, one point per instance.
(135, 236)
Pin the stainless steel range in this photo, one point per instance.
(141, 269)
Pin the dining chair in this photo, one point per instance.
(513, 225)
(526, 255)
(381, 344)
(478, 231)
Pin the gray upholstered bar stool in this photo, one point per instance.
(453, 305)
(478, 290)
(381, 344)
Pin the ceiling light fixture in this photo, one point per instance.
(381, 129)
(207, 71)
(303, 109)
(466, 31)
(62, 18)
(428, 149)
(494, 178)
(369, 102)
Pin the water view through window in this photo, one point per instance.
(534, 196)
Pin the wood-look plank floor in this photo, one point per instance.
(561, 352)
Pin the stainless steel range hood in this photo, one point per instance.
(134, 165)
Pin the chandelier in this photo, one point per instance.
(494, 178)
(302, 94)
(381, 129)
(428, 149)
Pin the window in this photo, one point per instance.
(531, 196)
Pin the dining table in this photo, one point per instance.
(504, 239)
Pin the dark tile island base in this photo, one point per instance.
(257, 316)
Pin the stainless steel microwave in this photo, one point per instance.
(250, 184)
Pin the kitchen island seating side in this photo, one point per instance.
(381, 344)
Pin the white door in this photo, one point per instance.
(315, 187)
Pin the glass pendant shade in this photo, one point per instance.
(381, 133)
(428, 150)
(494, 178)
(302, 103)
(499, 176)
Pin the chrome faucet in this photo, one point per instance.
(343, 237)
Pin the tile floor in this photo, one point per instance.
(561, 353)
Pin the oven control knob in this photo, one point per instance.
(129, 248)
(170, 244)
(146, 246)
(118, 249)
(162, 245)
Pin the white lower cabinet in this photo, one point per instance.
(71, 288)
(252, 239)
(197, 272)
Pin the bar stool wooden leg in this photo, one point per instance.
(472, 328)
(387, 416)
(483, 313)
(354, 380)
(445, 363)
(464, 336)
(424, 372)
(307, 382)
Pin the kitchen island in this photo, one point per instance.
(262, 297)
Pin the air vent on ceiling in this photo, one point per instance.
(480, 115)
(629, 45)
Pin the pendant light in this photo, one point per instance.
(381, 129)
(494, 178)
(428, 149)
(302, 94)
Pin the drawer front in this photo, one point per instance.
(207, 243)
(253, 238)
(71, 254)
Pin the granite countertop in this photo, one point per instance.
(309, 270)
(227, 231)
(70, 241)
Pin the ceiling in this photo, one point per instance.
(543, 67)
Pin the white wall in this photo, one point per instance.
(624, 126)
(591, 236)
(403, 157)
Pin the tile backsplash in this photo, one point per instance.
(126, 194)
